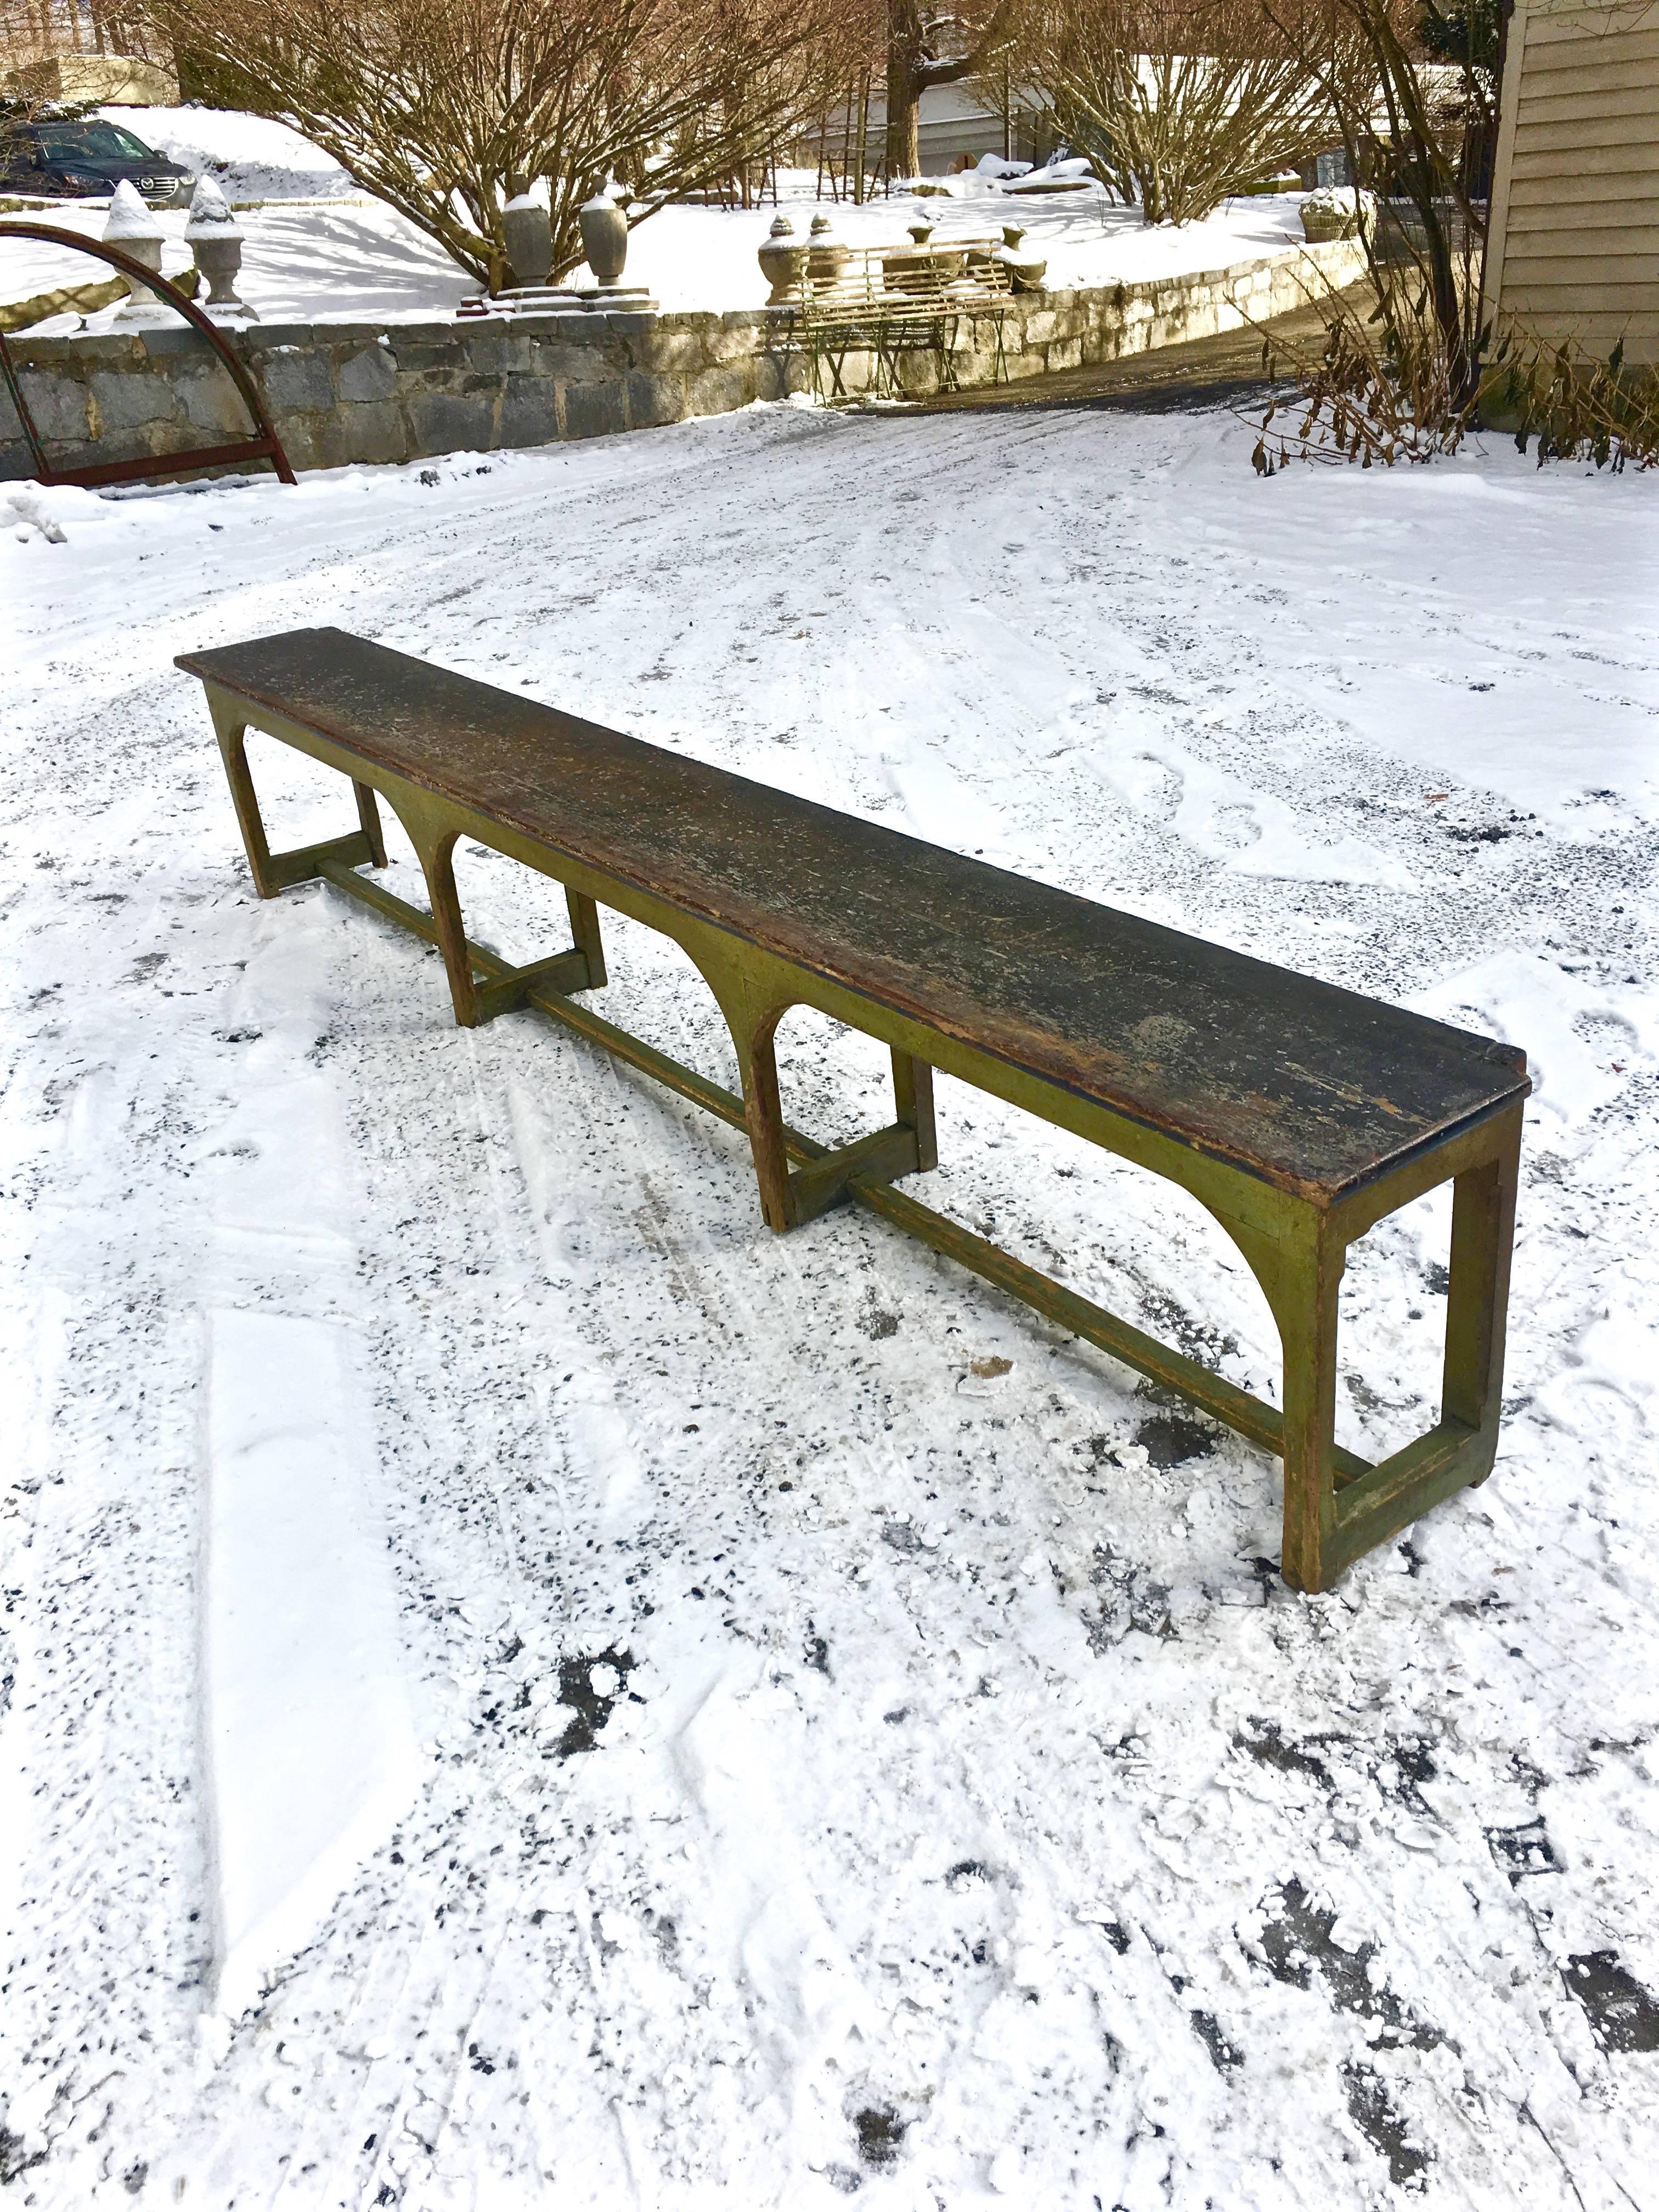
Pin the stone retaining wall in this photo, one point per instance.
(343, 392)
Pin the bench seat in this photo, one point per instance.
(1297, 1111)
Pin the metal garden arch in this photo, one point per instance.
(265, 446)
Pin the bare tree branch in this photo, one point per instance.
(445, 108)
(1179, 102)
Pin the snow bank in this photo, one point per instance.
(250, 156)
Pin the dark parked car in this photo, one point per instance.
(86, 161)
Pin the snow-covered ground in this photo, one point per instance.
(249, 156)
(357, 258)
(682, 1717)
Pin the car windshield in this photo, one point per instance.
(90, 142)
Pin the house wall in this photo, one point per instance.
(342, 392)
(110, 79)
(1574, 249)
(950, 124)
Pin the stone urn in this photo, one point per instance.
(214, 239)
(1025, 269)
(604, 238)
(782, 258)
(910, 268)
(948, 260)
(827, 256)
(134, 230)
(140, 238)
(604, 243)
(529, 235)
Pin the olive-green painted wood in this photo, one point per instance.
(1312, 1088)
(1292, 1229)
(1078, 1315)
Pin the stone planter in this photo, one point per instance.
(948, 260)
(214, 238)
(1320, 229)
(148, 251)
(134, 230)
(604, 243)
(1026, 270)
(529, 241)
(827, 256)
(912, 268)
(783, 259)
(604, 238)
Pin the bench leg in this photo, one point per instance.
(913, 1102)
(586, 938)
(1310, 1275)
(437, 858)
(789, 1198)
(1336, 1508)
(277, 871)
(581, 969)
(1477, 1303)
(368, 814)
(763, 1108)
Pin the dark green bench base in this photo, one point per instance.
(1336, 1505)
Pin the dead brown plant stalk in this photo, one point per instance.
(1378, 390)
(1381, 390)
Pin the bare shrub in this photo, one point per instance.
(1405, 125)
(1384, 388)
(1379, 390)
(1411, 377)
(445, 108)
(1179, 102)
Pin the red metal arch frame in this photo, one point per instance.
(266, 445)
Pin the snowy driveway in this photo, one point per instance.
(810, 1728)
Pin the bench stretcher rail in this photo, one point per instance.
(1294, 1179)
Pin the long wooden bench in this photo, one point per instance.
(1298, 1114)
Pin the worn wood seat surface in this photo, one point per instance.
(1297, 1114)
(1313, 1088)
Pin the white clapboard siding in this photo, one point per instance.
(1574, 247)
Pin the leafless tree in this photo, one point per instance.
(1179, 102)
(445, 108)
(33, 30)
(930, 44)
(1402, 121)
(24, 46)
